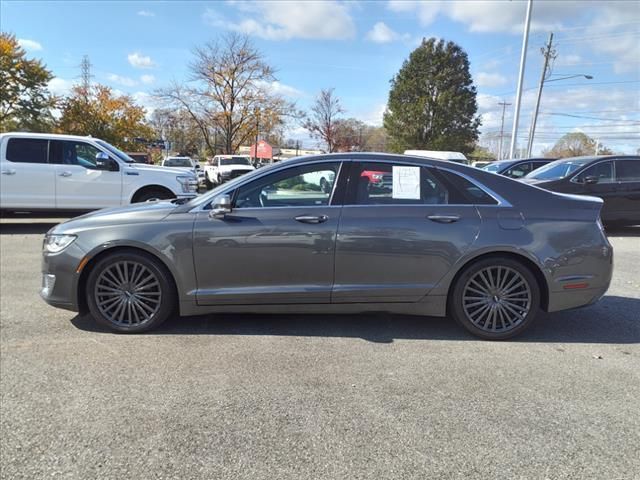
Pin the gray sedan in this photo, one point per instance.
(436, 239)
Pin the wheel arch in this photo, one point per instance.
(104, 251)
(523, 259)
(148, 188)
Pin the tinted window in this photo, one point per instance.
(557, 170)
(235, 161)
(603, 171)
(304, 186)
(518, 171)
(465, 191)
(178, 162)
(628, 170)
(68, 152)
(27, 150)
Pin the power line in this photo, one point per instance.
(586, 117)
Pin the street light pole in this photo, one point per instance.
(548, 53)
(523, 59)
(504, 106)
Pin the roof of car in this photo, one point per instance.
(58, 136)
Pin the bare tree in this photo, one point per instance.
(324, 115)
(229, 93)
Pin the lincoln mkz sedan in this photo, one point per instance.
(431, 238)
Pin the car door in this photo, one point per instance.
(277, 244)
(598, 180)
(27, 179)
(401, 230)
(628, 185)
(79, 184)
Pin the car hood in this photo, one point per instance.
(155, 169)
(130, 214)
(229, 168)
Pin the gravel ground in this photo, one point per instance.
(313, 396)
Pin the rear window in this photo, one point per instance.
(628, 170)
(27, 150)
(468, 193)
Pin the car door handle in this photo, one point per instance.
(312, 219)
(8, 172)
(444, 218)
(66, 174)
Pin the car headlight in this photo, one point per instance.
(55, 243)
(189, 183)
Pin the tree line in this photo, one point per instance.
(229, 101)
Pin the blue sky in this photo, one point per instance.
(357, 47)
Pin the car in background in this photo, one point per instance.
(226, 167)
(480, 163)
(517, 168)
(613, 178)
(140, 157)
(187, 164)
(445, 239)
(49, 172)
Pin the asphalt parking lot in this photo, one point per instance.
(313, 396)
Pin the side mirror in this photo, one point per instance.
(220, 207)
(103, 162)
(591, 179)
(197, 166)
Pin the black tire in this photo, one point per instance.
(208, 182)
(516, 306)
(219, 181)
(104, 300)
(153, 194)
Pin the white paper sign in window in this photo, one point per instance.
(406, 183)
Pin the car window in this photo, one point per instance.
(27, 150)
(302, 186)
(603, 171)
(235, 161)
(178, 162)
(395, 184)
(518, 171)
(69, 152)
(463, 192)
(628, 170)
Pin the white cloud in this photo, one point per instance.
(138, 60)
(146, 13)
(30, 45)
(484, 79)
(147, 79)
(60, 86)
(120, 80)
(381, 33)
(276, 20)
(278, 88)
(145, 100)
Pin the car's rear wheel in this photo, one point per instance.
(495, 298)
(130, 292)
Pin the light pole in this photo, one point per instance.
(544, 79)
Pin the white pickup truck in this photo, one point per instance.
(226, 167)
(66, 172)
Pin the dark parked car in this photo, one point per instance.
(440, 239)
(517, 168)
(614, 178)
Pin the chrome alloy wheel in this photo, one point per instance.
(496, 299)
(128, 293)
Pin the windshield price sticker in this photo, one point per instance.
(406, 183)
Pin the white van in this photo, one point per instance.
(439, 155)
(67, 172)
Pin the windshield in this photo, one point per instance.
(178, 162)
(235, 161)
(556, 170)
(117, 152)
(492, 167)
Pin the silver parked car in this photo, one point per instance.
(437, 239)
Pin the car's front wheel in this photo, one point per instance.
(129, 291)
(495, 298)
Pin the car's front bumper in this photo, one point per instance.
(60, 277)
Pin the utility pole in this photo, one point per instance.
(523, 60)
(504, 106)
(549, 54)
(85, 74)
(257, 112)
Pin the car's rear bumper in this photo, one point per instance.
(575, 298)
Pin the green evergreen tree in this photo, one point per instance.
(432, 101)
